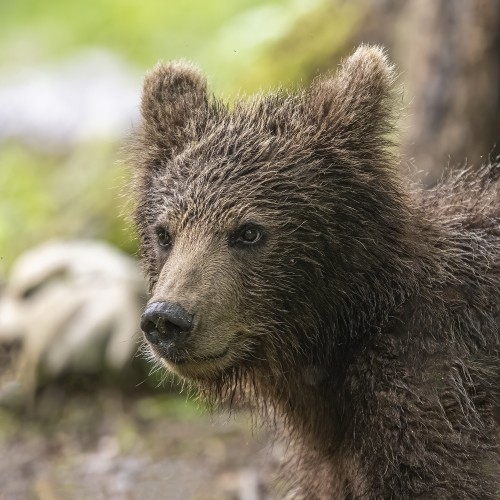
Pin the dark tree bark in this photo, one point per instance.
(450, 55)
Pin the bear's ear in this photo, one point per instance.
(353, 106)
(174, 100)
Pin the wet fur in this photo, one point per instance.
(369, 321)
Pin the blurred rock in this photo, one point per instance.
(73, 307)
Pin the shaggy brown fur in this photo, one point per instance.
(361, 311)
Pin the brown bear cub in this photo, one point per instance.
(292, 266)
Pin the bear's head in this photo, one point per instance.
(261, 221)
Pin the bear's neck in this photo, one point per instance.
(312, 400)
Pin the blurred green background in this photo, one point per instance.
(70, 81)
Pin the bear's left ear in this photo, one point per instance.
(174, 101)
(353, 106)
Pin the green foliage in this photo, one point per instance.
(25, 203)
(141, 31)
(313, 45)
(246, 44)
(167, 405)
(75, 195)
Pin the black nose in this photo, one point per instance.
(165, 321)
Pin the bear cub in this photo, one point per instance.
(292, 266)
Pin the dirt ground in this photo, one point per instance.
(104, 445)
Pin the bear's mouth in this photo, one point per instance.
(184, 358)
(199, 359)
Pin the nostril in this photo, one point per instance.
(150, 330)
(165, 321)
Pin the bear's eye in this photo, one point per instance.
(164, 237)
(248, 235)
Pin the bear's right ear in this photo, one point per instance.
(174, 100)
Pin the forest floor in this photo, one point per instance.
(107, 446)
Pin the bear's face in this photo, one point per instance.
(243, 216)
(222, 246)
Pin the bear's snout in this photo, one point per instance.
(165, 322)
